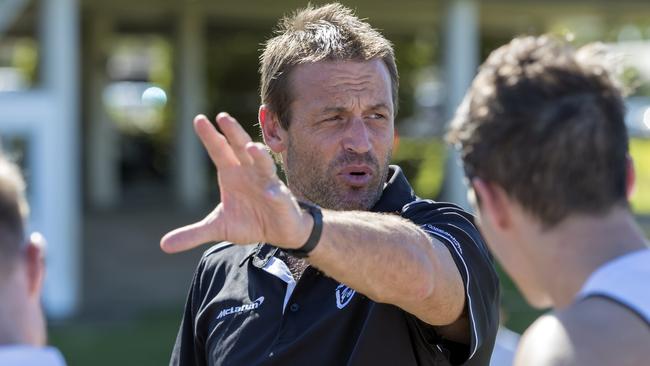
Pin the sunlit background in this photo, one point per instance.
(96, 102)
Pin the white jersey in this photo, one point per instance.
(24, 355)
(626, 280)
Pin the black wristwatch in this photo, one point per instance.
(314, 237)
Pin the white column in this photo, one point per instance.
(102, 164)
(190, 170)
(58, 183)
(461, 50)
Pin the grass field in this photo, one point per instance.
(146, 340)
(640, 151)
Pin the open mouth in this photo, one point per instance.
(356, 176)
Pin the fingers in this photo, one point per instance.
(215, 143)
(225, 150)
(186, 238)
(237, 137)
(235, 148)
(264, 164)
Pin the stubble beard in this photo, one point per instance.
(307, 178)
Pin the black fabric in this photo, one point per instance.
(234, 312)
(454, 227)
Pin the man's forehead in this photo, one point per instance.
(331, 71)
(333, 83)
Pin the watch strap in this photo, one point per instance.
(316, 231)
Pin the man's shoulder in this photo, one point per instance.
(225, 253)
(218, 248)
(592, 332)
(217, 262)
(430, 210)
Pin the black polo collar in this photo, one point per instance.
(396, 194)
(261, 254)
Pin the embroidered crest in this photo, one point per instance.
(343, 295)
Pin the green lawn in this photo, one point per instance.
(147, 340)
(640, 151)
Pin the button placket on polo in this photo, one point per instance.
(287, 331)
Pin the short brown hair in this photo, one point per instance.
(13, 213)
(547, 125)
(327, 33)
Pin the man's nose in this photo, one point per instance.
(357, 137)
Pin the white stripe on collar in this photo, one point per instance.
(280, 270)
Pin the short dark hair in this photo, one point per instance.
(327, 33)
(546, 123)
(13, 213)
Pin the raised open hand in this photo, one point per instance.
(256, 206)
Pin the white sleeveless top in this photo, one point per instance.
(626, 280)
(24, 355)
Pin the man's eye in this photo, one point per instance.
(332, 118)
(377, 116)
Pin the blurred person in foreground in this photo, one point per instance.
(545, 147)
(22, 324)
(344, 265)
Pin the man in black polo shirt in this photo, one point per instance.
(376, 276)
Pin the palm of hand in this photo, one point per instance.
(255, 205)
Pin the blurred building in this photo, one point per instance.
(97, 98)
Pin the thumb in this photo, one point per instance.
(187, 237)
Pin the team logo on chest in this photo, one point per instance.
(343, 295)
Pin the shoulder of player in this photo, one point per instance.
(546, 342)
(585, 334)
(599, 314)
(598, 325)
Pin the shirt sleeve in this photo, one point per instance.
(189, 347)
(455, 228)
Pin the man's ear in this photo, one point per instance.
(492, 202)
(35, 258)
(630, 176)
(274, 135)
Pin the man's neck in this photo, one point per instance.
(297, 266)
(569, 253)
(11, 312)
(10, 334)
